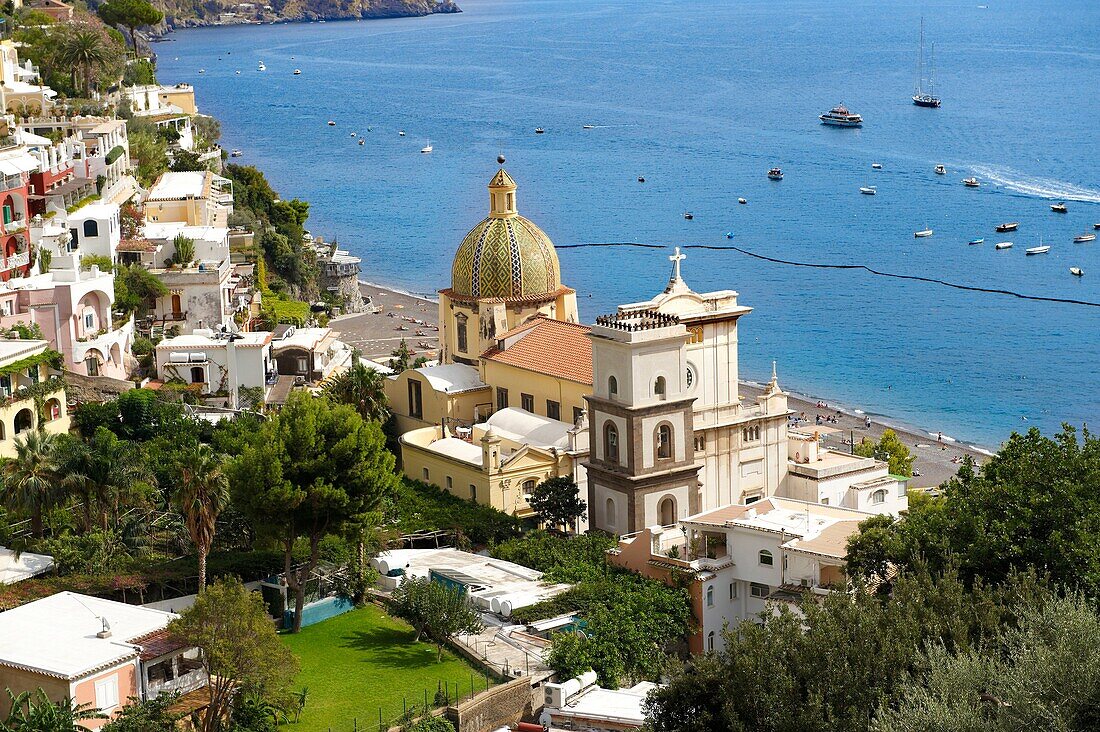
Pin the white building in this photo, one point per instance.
(582, 704)
(217, 364)
(95, 229)
(309, 354)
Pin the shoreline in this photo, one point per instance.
(445, 8)
(934, 454)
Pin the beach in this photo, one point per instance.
(376, 335)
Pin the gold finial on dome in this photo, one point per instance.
(502, 195)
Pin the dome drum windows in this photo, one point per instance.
(750, 433)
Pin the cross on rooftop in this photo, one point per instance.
(676, 259)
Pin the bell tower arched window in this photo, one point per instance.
(460, 332)
(611, 442)
(659, 388)
(664, 442)
(612, 386)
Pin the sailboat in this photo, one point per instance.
(427, 148)
(923, 98)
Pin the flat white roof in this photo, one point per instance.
(451, 378)
(57, 635)
(193, 340)
(94, 211)
(172, 185)
(16, 349)
(520, 425)
(24, 566)
(612, 705)
(171, 229)
(458, 449)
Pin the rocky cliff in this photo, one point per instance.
(184, 13)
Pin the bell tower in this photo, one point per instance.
(641, 468)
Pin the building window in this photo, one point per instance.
(612, 386)
(710, 596)
(427, 476)
(610, 442)
(578, 412)
(89, 320)
(700, 443)
(666, 510)
(502, 398)
(710, 641)
(527, 401)
(24, 421)
(689, 377)
(450, 483)
(757, 590)
(91, 365)
(750, 434)
(106, 693)
(416, 404)
(5, 385)
(53, 410)
(878, 497)
(664, 442)
(553, 409)
(733, 590)
(528, 488)
(609, 513)
(473, 492)
(198, 375)
(751, 499)
(695, 334)
(303, 366)
(460, 331)
(766, 558)
(91, 228)
(825, 501)
(659, 387)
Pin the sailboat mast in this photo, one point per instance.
(932, 71)
(920, 58)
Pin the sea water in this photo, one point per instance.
(701, 98)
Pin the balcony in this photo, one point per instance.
(16, 224)
(15, 261)
(189, 681)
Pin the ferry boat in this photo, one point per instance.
(1038, 250)
(839, 116)
(971, 182)
(924, 98)
(1003, 245)
(1010, 226)
(1082, 238)
(922, 234)
(1058, 207)
(973, 242)
(940, 170)
(1076, 271)
(775, 174)
(868, 190)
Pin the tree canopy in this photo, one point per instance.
(130, 14)
(434, 610)
(557, 502)
(890, 449)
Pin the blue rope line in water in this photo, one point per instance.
(816, 265)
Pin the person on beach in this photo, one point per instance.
(867, 422)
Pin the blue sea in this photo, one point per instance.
(701, 98)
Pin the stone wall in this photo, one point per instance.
(500, 706)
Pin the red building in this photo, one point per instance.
(14, 190)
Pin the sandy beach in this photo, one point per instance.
(376, 335)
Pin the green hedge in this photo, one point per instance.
(419, 506)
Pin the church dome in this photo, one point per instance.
(505, 256)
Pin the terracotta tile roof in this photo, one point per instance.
(136, 245)
(547, 346)
(157, 644)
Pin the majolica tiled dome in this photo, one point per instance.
(505, 256)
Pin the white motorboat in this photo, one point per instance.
(261, 67)
(840, 116)
(775, 174)
(876, 166)
(1038, 250)
(331, 123)
(1076, 271)
(868, 190)
(1004, 245)
(427, 148)
(1058, 207)
(974, 242)
(742, 201)
(401, 133)
(236, 154)
(297, 72)
(971, 182)
(940, 170)
(588, 127)
(922, 234)
(1082, 238)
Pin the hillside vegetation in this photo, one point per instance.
(180, 13)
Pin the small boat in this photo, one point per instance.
(922, 234)
(971, 182)
(202, 71)
(742, 201)
(539, 131)
(1003, 245)
(939, 170)
(1058, 207)
(401, 133)
(775, 174)
(868, 190)
(641, 179)
(261, 67)
(297, 72)
(689, 215)
(1037, 250)
(840, 116)
(331, 123)
(1082, 238)
(876, 166)
(1009, 226)
(236, 154)
(1076, 271)
(354, 134)
(238, 72)
(974, 242)
(427, 148)
(729, 234)
(588, 127)
(362, 142)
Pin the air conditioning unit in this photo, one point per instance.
(554, 696)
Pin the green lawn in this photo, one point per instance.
(362, 660)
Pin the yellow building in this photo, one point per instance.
(195, 198)
(32, 393)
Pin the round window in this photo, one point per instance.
(689, 377)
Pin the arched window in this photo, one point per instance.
(24, 421)
(91, 227)
(666, 509)
(460, 330)
(609, 513)
(766, 558)
(610, 442)
(710, 596)
(53, 409)
(710, 641)
(659, 387)
(528, 489)
(878, 496)
(3, 433)
(612, 386)
(664, 442)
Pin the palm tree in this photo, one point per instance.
(31, 483)
(36, 713)
(106, 471)
(202, 494)
(362, 388)
(84, 51)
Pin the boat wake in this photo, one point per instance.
(1035, 186)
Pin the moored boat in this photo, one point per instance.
(331, 123)
(1076, 271)
(236, 154)
(1082, 238)
(1008, 226)
(976, 241)
(1038, 250)
(868, 190)
(923, 98)
(971, 182)
(922, 234)
(539, 131)
(297, 72)
(742, 201)
(775, 174)
(427, 148)
(840, 116)
(1004, 245)
(689, 215)
(1058, 207)
(876, 166)
(940, 170)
